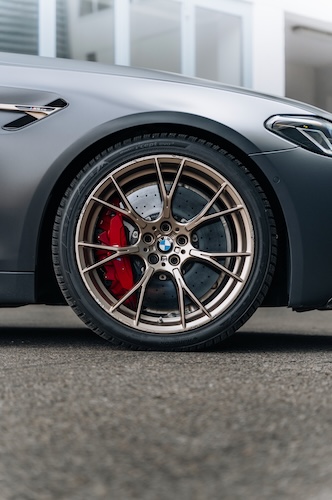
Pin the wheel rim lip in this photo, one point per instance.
(217, 305)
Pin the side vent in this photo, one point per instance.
(31, 113)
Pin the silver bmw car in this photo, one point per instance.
(163, 209)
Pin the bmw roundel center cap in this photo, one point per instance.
(165, 244)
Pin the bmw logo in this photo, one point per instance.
(165, 244)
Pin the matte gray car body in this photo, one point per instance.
(104, 105)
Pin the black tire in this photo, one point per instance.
(164, 242)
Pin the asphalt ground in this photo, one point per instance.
(80, 419)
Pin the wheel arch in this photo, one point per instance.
(109, 134)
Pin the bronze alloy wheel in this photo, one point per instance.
(164, 243)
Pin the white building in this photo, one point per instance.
(282, 47)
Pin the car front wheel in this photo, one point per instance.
(164, 242)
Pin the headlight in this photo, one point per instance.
(309, 132)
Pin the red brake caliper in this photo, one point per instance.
(118, 271)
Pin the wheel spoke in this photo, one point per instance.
(210, 258)
(99, 246)
(180, 293)
(207, 207)
(167, 198)
(200, 219)
(111, 206)
(141, 283)
(162, 187)
(176, 181)
(145, 280)
(198, 253)
(122, 195)
(118, 252)
(128, 211)
(182, 289)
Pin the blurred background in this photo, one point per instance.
(281, 47)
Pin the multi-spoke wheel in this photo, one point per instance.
(164, 243)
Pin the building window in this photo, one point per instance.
(19, 26)
(204, 38)
(218, 46)
(91, 6)
(89, 37)
(155, 34)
